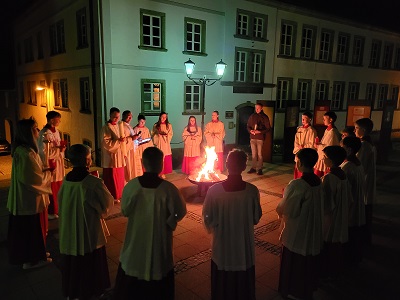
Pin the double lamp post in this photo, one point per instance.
(203, 82)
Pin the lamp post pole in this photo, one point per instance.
(203, 82)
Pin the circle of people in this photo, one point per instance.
(326, 210)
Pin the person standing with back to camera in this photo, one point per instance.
(51, 150)
(258, 125)
(214, 133)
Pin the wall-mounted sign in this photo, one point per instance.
(319, 112)
(355, 113)
(229, 114)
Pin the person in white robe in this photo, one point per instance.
(301, 211)
(214, 132)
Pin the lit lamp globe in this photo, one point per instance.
(220, 68)
(189, 67)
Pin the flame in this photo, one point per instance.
(207, 173)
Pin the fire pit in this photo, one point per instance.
(207, 176)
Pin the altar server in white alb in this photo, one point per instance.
(133, 165)
(51, 150)
(304, 138)
(153, 207)
(338, 197)
(367, 156)
(301, 211)
(355, 175)
(84, 201)
(214, 132)
(230, 211)
(331, 138)
(112, 155)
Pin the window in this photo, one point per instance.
(39, 39)
(326, 44)
(81, 26)
(21, 92)
(67, 138)
(397, 59)
(337, 95)
(308, 42)
(250, 25)
(288, 38)
(60, 88)
(41, 95)
(382, 96)
(395, 94)
(321, 92)
(354, 88)
(19, 57)
(195, 38)
(304, 93)
(84, 91)
(152, 30)
(28, 50)
(283, 92)
(375, 54)
(358, 50)
(249, 65)
(57, 38)
(371, 92)
(387, 56)
(342, 48)
(192, 98)
(153, 96)
(32, 92)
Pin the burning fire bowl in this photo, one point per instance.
(204, 184)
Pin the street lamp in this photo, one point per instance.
(203, 82)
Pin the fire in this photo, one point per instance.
(207, 173)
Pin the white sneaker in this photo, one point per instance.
(52, 217)
(41, 263)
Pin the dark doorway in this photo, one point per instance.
(244, 112)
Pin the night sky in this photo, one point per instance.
(383, 13)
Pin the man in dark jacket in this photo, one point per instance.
(257, 125)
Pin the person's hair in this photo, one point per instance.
(153, 159)
(348, 130)
(236, 160)
(332, 115)
(188, 125)
(77, 155)
(307, 114)
(260, 104)
(113, 110)
(141, 117)
(52, 114)
(24, 136)
(336, 154)
(158, 124)
(366, 124)
(125, 114)
(308, 157)
(353, 143)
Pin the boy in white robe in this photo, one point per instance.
(336, 211)
(153, 207)
(301, 211)
(355, 174)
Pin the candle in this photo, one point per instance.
(255, 127)
(122, 134)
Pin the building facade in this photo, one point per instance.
(87, 56)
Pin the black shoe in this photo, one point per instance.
(259, 172)
(251, 171)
